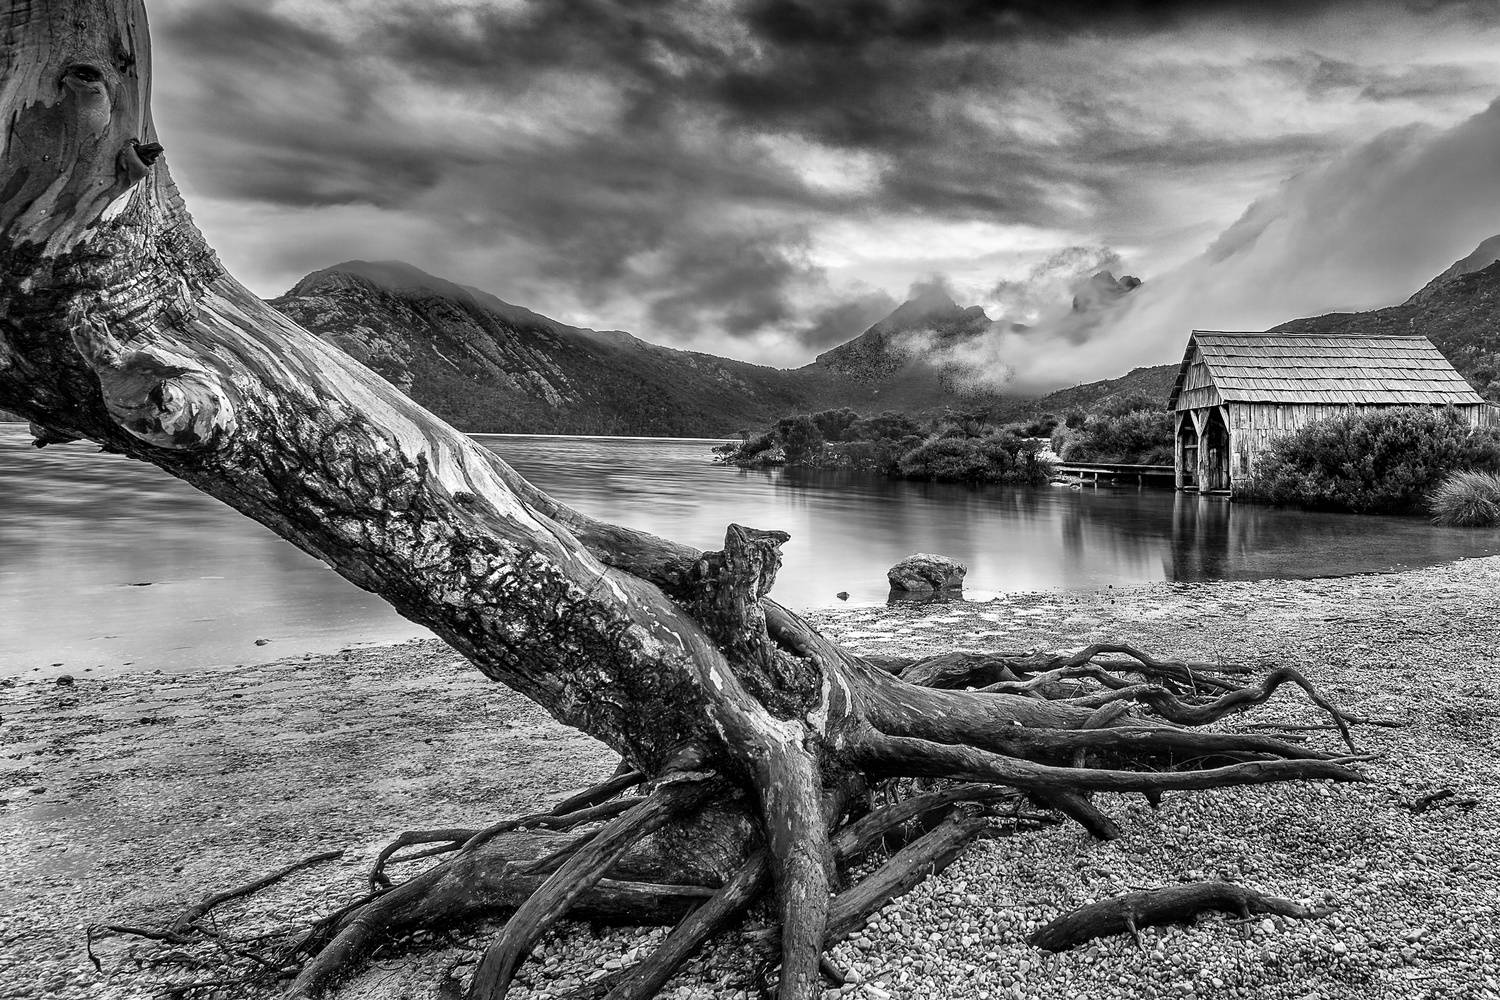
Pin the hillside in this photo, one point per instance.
(488, 365)
(1459, 311)
(484, 364)
(1154, 382)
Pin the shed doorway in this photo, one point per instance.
(1215, 458)
(1187, 456)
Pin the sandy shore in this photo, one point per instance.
(129, 797)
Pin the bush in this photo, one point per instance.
(1135, 402)
(800, 438)
(835, 425)
(1038, 427)
(1372, 461)
(1132, 437)
(756, 445)
(997, 458)
(888, 426)
(1467, 500)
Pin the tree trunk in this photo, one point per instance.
(758, 742)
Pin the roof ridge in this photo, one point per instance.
(1310, 335)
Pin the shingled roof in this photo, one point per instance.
(1324, 368)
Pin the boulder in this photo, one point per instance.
(926, 572)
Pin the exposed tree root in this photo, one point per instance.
(583, 868)
(1171, 904)
(187, 928)
(540, 868)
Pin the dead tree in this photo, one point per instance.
(762, 754)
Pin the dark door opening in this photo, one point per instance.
(1216, 453)
(1187, 454)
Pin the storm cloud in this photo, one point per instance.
(758, 178)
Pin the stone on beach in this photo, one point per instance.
(924, 572)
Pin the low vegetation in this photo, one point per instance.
(957, 447)
(1375, 461)
(1467, 500)
(1132, 430)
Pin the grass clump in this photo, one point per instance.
(1467, 500)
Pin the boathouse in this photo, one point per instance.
(1238, 392)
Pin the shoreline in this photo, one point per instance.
(159, 787)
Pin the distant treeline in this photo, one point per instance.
(956, 447)
(960, 446)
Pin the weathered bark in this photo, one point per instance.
(118, 325)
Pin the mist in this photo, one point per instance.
(1364, 230)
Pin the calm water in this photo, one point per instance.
(106, 562)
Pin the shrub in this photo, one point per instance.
(888, 426)
(1467, 500)
(996, 458)
(1133, 437)
(835, 425)
(963, 424)
(1039, 427)
(800, 438)
(1119, 406)
(754, 446)
(1372, 461)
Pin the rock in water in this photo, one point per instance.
(926, 572)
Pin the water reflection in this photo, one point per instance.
(79, 531)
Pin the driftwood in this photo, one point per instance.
(763, 758)
(1173, 904)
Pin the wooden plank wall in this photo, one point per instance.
(1198, 390)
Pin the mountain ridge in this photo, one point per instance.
(489, 365)
(486, 364)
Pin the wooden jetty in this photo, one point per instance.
(1119, 472)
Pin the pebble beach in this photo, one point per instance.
(127, 798)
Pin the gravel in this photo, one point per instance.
(128, 798)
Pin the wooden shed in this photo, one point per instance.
(1238, 392)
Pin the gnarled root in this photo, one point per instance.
(1055, 731)
(493, 870)
(1171, 904)
(584, 867)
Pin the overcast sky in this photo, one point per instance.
(764, 179)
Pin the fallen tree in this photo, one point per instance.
(759, 759)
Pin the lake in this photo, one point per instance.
(108, 564)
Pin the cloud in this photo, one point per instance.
(1049, 286)
(684, 169)
(1362, 231)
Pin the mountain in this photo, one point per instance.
(1483, 256)
(1103, 289)
(1154, 382)
(484, 364)
(1459, 311)
(891, 360)
(895, 343)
